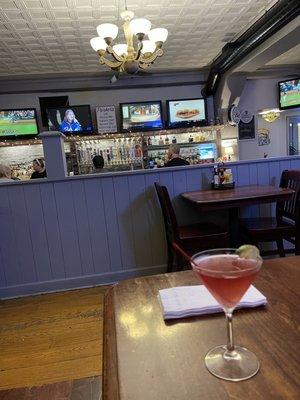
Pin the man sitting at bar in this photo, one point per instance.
(98, 162)
(174, 158)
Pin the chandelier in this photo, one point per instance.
(137, 53)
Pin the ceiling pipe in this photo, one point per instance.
(283, 12)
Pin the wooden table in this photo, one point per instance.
(146, 358)
(233, 199)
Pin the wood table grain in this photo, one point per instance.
(238, 197)
(147, 358)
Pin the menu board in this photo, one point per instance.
(106, 119)
(247, 130)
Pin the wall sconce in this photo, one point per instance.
(270, 115)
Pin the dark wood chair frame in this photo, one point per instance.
(287, 212)
(194, 243)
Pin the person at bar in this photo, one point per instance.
(98, 162)
(39, 168)
(5, 173)
(70, 122)
(174, 157)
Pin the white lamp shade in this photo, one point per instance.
(158, 35)
(120, 49)
(148, 46)
(98, 43)
(107, 31)
(140, 25)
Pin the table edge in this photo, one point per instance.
(110, 377)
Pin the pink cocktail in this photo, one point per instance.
(227, 276)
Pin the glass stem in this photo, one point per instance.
(230, 344)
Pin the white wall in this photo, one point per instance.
(257, 95)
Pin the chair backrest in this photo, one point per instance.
(169, 216)
(291, 208)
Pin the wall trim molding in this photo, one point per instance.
(101, 82)
(80, 282)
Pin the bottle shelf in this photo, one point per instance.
(185, 144)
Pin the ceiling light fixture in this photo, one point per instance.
(137, 53)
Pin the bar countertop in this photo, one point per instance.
(231, 165)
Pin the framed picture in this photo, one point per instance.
(247, 130)
(106, 119)
(263, 137)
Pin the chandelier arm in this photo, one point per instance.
(144, 65)
(139, 51)
(109, 63)
(111, 51)
(152, 57)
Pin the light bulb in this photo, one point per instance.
(98, 43)
(158, 35)
(107, 31)
(148, 46)
(140, 25)
(120, 49)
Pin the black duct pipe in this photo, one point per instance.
(283, 12)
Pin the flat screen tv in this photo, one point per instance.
(18, 123)
(70, 120)
(289, 94)
(186, 112)
(142, 116)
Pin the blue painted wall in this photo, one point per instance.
(89, 230)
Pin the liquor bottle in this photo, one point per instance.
(149, 141)
(174, 140)
(191, 139)
(161, 141)
(167, 140)
(151, 163)
(216, 176)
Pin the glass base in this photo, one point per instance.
(238, 365)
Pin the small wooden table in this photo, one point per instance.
(238, 197)
(233, 199)
(146, 358)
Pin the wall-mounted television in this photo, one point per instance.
(141, 116)
(289, 94)
(70, 120)
(18, 123)
(186, 112)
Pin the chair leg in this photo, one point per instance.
(280, 247)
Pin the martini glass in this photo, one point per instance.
(227, 277)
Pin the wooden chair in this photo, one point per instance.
(286, 224)
(191, 238)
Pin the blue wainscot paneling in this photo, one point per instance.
(89, 230)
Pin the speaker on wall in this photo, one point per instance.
(48, 102)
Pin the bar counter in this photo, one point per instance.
(85, 230)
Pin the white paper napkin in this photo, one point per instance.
(186, 301)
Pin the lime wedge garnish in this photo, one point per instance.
(248, 251)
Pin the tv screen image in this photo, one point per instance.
(18, 122)
(289, 94)
(141, 116)
(70, 120)
(186, 112)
